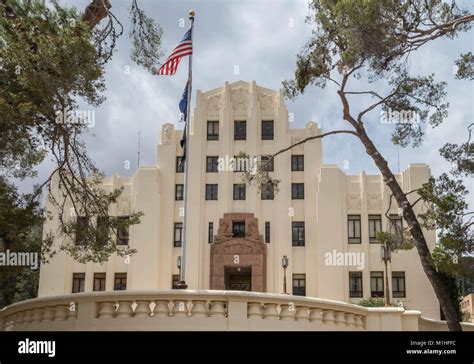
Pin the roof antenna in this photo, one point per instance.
(138, 154)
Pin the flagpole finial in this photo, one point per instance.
(191, 14)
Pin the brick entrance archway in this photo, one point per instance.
(238, 245)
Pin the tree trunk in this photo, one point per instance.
(96, 11)
(440, 289)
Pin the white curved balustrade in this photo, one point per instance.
(203, 310)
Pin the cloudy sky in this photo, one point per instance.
(260, 39)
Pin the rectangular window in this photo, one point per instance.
(297, 163)
(210, 233)
(174, 281)
(82, 223)
(267, 129)
(355, 284)
(99, 281)
(179, 165)
(123, 234)
(239, 191)
(78, 281)
(211, 191)
(267, 192)
(120, 282)
(178, 234)
(241, 164)
(297, 191)
(212, 130)
(267, 231)
(238, 229)
(299, 284)
(376, 284)
(395, 224)
(102, 232)
(375, 225)
(240, 130)
(353, 229)
(297, 233)
(212, 164)
(267, 163)
(398, 285)
(179, 192)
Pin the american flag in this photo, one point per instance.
(182, 49)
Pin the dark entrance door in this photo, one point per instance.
(238, 278)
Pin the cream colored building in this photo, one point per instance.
(467, 305)
(236, 239)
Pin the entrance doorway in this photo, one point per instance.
(238, 278)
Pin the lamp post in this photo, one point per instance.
(386, 256)
(284, 264)
(178, 264)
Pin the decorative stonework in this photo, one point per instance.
(374, 202)
(167, 133)
(240, 100)
(250, 250)
(123, 206)
(353, 202)
(294, 140)
(311, 129)
(214, 104)
(267, 104)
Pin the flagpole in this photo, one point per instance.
(182, 281)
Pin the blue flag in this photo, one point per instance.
(183, 104)
(183, 107)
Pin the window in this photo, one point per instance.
(395, 224)
(353, 229)
(297, 233)
(78, 281)
(241, 164)
(375, 225)
(267, 129)
(297, 163)
(212, 164)
(299, 284)
(267, 192)
(123, 235)
(376, 284)
(179, 192)
(239, 191)
(297, 191)
(211, 191)
(267, 231)
(174, 281)
(178, 234)
(355, 284)
(82, 223)
(398, 285)
(210, 233)
(102, 232)
(120, 282)
(267, 163)
(238, 229)
(240, 130)
(212, 130)
(179, 165)
(99, 281)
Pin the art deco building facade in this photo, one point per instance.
(237, 236)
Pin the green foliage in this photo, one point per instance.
(465, 67)
(445, 211)
(146, 39)
(376, 302)
(50, 62)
